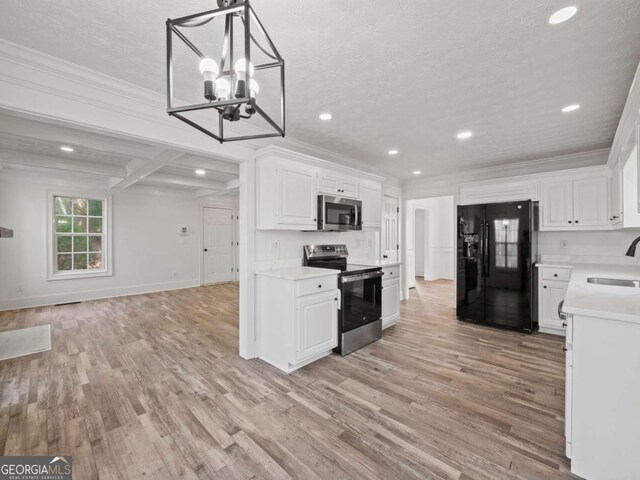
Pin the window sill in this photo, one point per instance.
(79, 274)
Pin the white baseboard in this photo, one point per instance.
(54, 299)
(552, 331)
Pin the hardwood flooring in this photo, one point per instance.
(151, 386)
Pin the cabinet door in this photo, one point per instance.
(568, 401)
(557, 204)
(296, 194)
(615, 195)
(349, 188)
(371, 197)
(552, 294)
(390, 302)
(328, 185)
(317, 324)
(590, 201)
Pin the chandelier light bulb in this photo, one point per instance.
(241, 67)
(254, 88)
(223, 88)
(209, 69)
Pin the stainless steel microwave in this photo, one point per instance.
(336, 214)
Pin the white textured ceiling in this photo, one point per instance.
(406, 75)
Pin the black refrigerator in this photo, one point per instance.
(496, 251)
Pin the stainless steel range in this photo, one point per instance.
(360, 314)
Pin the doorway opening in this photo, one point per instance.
(430, 250)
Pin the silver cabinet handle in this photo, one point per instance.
(561, 314)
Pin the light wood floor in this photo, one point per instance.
(151, 387)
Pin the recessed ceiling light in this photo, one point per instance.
(325, 116)
(562, 15)
(465, 134)
(571, 108)
(393, 152)
(200, 171)
(66, 149)
(417, 172)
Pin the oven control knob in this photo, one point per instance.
(315, 250)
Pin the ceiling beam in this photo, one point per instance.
(16, 157)
(205, 192)
(138, 169)
(185, 182)
(233, 184)
(189, 161)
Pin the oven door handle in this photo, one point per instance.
(362, 276)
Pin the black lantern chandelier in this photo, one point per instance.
(229, 76)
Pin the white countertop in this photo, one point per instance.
(603, 301)
(298, 273)
(553, 265)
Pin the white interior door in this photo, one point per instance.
(390, 228)
(218, 229)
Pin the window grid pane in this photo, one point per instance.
(78, 234)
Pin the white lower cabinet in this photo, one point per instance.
(297, 319)
(603, 398)
(390, 296)
(552, 288)
(568, 390)
(317, 324)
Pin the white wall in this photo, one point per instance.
(438, 245)
(148, 252)
(363, 246)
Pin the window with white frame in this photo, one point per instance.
(79, 236)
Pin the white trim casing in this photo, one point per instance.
(107, 250)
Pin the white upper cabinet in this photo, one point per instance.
(330, 184)
(557, 204)
(371, 197)
(295, 200)
(285, 195)
(288, 184)
(615, 195)
(627, 174)
(590, 202)
(575, 204)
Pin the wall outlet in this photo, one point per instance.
(19, 288)
(275, 246)
(563, 244)
(174, 274)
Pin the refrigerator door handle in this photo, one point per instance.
(485, 256)
(482, 249)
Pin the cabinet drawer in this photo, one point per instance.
(391, 272)
(558, 274)
(316, 285)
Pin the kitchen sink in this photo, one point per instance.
(616, 282)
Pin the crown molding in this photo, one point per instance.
(276, 151)
(448, 184)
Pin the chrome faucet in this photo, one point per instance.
(632, 249)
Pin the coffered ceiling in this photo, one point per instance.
(109, 161)
(394, 75)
